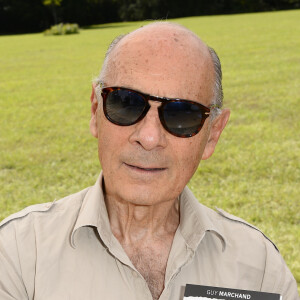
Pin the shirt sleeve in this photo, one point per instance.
(11, 282)
(277, 276)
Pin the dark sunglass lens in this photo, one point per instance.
(182, 118)
(124, 107)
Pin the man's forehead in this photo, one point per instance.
(168, 53)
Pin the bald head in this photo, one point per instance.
(168, 52)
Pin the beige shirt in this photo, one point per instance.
(66, 251)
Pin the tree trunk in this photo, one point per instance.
(53, 8)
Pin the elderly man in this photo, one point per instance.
(139, 233)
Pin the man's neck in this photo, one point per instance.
(146, 234)
(131, 223)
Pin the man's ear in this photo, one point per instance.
(94, 106)
(215, 131)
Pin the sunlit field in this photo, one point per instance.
(47, 152)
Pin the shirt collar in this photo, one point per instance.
(93, 213)
(196, 220)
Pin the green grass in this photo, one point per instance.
(47, 151)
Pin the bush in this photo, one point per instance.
(61, 29)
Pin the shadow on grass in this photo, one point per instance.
(104, 26)
(88, 27)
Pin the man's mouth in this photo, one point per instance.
(146, 169)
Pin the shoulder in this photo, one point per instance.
(238, 226)
(237, 234)
(249, 245)
(27, 236)
(45, 211)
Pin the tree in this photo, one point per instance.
(53, 5)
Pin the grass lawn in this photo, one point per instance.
(47, 151)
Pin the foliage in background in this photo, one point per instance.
(53, 4)
(18, 16)
(47, 151)
(61, 29)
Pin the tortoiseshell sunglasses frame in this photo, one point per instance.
(206, 110)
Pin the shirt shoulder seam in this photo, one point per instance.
(233, 218)
(36, 208)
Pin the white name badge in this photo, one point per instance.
(201, 292)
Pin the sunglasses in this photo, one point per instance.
(181, 118)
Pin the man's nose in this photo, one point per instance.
(149, 132)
